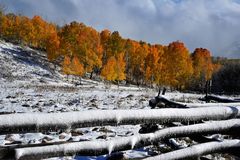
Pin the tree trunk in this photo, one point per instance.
(91, 75)
(99, 147)
(220, 99)
(195, 151)
(32, 122)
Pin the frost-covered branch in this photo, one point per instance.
(199, 150)
(32, 122)
(100, 147)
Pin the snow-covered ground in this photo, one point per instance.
(29, 83)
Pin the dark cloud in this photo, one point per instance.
(198, 23)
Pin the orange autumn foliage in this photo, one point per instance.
(202, 64)
(108, 70)
(53, 45)
(72, 66)
(86, 50)
(114, 70)
(178, 65)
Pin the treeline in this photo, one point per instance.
(227, 79)
(85, 50)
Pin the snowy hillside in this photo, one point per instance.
(29, 83)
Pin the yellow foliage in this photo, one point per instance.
(114, 69)
(72, 66)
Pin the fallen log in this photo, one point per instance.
(199, 138)
(172, 104)
(7, 151)
(209, 98)
(41, 122)
(195, 151)
(192, 105)
(100, 147)
(167, 103)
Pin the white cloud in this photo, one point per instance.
(213, 24)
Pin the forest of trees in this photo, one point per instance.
(227, 79)
(106, 54)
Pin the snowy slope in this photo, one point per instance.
(24, 64)
(29, 83)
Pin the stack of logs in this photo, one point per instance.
(180, 120)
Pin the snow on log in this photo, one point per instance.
(194, 105)
(172, 104)
(220, 99)
(7, 151)
(199, 150)
(36, 122)
(100, 147)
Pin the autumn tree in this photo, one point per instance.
(113, 48)
(53, 43)
(78, 39)
(72, 66)
(115, 45)
(9, 27)
(154, 65)
(178, 65)
(120, 67)
(86, 50)
(76, 67)
(108, 70)
(138, 62)
(3, 25)
(130, 49)
(202, 67)
(26, 31)
(104, 36)
(2, 20)
(40, 32)
(66, 65)
(91, 48)
(68, 38)
(114, 70)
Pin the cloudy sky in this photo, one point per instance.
(212, 24)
